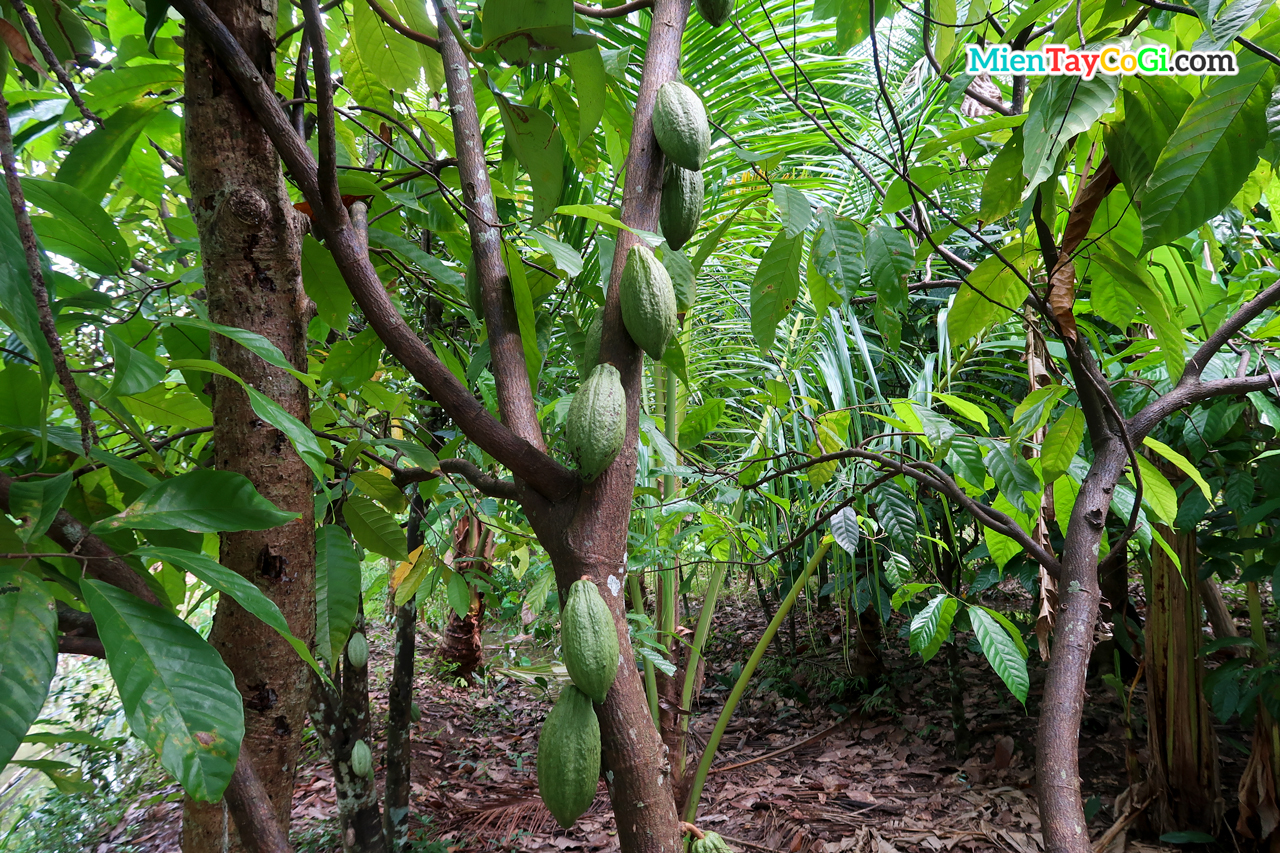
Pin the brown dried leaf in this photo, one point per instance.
(1062, 295)
(16, 41)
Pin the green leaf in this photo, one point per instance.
(325, 285)
(586, 68)
(1033, 412)
(1209, 155)
(1061, 443)
(837, 253)
(698, 423)
(1157, 492)
(390, 57)
(1001, 652)
(374, 527)
(135, 371)
(299, 434)
(1061, 108)
(965, 409)
(889, 260)
(539, 148)
(28, 655)
(459, 594)
(523, 299)
(524, 31)
(1187, 837)
(252, 341)
(337, 590)
(178, 695)
(380, 488)
(202, 501)
(674, 358)
(991, 294)
(565, 256)
(228, 582)
(36, 502)
(1013, 476)
(433, 266)
(899, 194)
(95, 160)
(352, 363)
(1183, 464)
(17, 303)
(1002, 187)
(846, 530)
(63, 30)
(79, 229)
(775, 287)
(932, 625)
(794, 209)
(896, 513)
(1153, 107)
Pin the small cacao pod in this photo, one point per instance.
(358, 650)
(715, 12)
(597, 421)
(681, 206)
(569, 757)
(589, 639)
(415, 713)
(591, 348)
(361, 759)
(648, 301)
(680, 125)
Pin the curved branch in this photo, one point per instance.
(613, 11)
(87, 646)
(486, 485)
(528, 462)
(412, 35)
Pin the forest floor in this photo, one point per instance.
(814, 759)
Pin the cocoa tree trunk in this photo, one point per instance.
(472, 551)
(399, 759)
(1182, 768)
(250, 238)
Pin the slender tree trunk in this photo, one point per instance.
(250, 238)
(1183, 748)
(395, 813)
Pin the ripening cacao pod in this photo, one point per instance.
(358, 650)
(715, 12)
(648, 301)
(569, 757)
(589, 639)
(680, 124)
(681, 206)
(591, 348)
(597, 421)
(361, 759)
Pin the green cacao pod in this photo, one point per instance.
(713, 843)
(597, 421)
(591, 348)
(569, 757)
(358, 650)
(680, 124)
(715, 12)
(589, 639)
(681, 206)
(648, 302)
(361, 759)
(473, 290)
(415, 713)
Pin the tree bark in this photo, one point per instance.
(395, 813)
(1183, 748)
(250, 238)
(462, 647)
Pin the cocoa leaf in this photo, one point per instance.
(18, 47)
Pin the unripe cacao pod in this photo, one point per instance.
(473, 290)
(680, 125)
(713, 843)
(681, 207)
(591, 348)
(361, 759)
(648, 301)
(589, 639)
(715, 12)
(569, 757)
(358, 650)
(415, 713)
(597, 421)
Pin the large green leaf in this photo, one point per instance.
(1210, 154)
(776, 286)
(300, 435)
(337, 590)
(1153, 106)
(586, 67)
(990, 294)
(352, 363)
(325, 285)
(178, 695)
(135, 371)
(1061, 443)
(1002, 186)
(36, 503)
(201, 501)
(228, 582)
(890, 259)
(853, 19)
(374, 527)
(1001, 651)
(896, 513)
(524, 31)
(391, 57)
(1062, 107)
(1013, 476)
(837, 253)
(28, 655)
(539, 148)
(931, 626)
(95, 160)
(17, 303)
(79, 229)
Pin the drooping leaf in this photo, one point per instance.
(96, 159)
(932, 625)
(990, 295)
(1001, 652)
(391, 57)
(896, 513)
(337, 590)
(1013, 476)
(28, 655)
(837, 253)
(202, 501)
(36, 503)
(540, 149)
(1062, 107)
(776, 287)
(846, 530)
(890, 259)
(525, 31)
(79, 229)
(1061, 443)
(374, 527)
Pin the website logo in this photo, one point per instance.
(1054, 60)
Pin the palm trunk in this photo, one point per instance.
(250, 238)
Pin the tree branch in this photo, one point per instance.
(528, 462)
(87, 646)
(506, 349)
(251, 809)
(613, 11)
(27, 234)
(33, 31)
(412, 35)
(491, 486)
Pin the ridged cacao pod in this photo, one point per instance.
(591, 348)
(589, 639)
(358, 650)
(713, 843)
(361, 759)
(415, 713)
(715, 12)
(680, 124)
(681, 207)
(597, 421)
(569, 757)
(648, 302)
